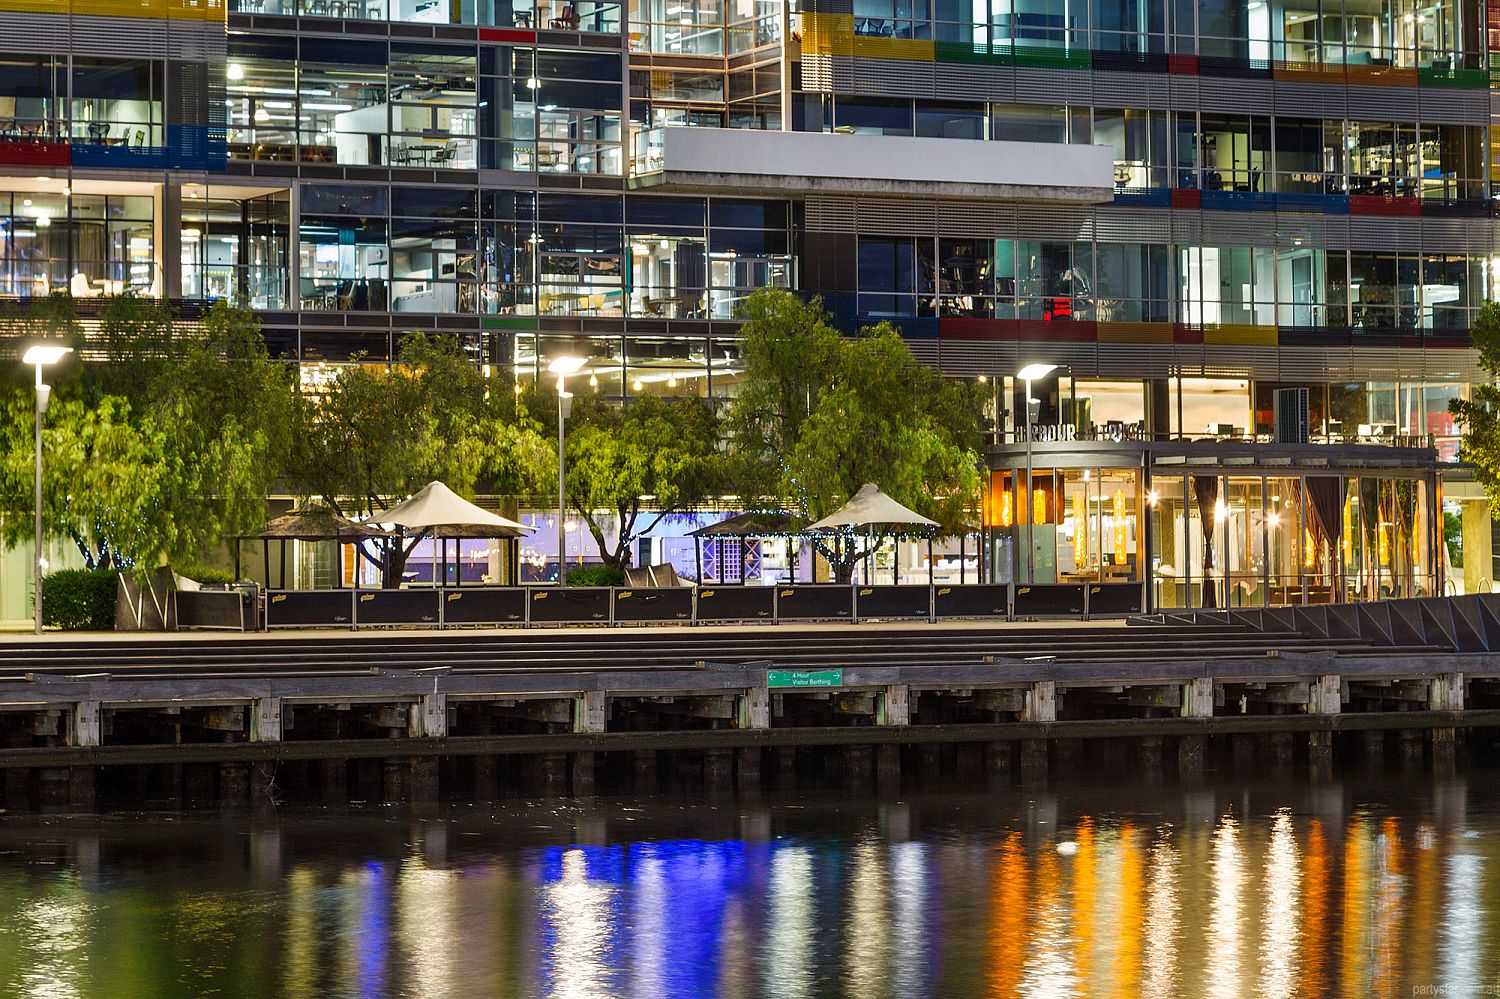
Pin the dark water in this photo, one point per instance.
(1382, 888)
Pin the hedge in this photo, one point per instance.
(80, 599)
(597, 575)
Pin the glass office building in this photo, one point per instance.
(1186, 207)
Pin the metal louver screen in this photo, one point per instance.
(1290, 415)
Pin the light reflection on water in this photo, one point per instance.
(1286, 892)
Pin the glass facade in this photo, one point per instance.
(1300, 198)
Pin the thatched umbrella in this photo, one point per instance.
(752, 524)
(310, 524)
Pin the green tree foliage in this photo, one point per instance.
(820, 415)
(380, 433)
(160, 452)
(1480, 413)
(657, 452)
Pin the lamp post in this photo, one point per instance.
(1029, 374)
(562, 367)
(39, 356)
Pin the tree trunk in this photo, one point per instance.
(843, 572)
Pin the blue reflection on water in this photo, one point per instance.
(374, 932)
(652, 913)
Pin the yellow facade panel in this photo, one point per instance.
(1239, 335)
(828, 34)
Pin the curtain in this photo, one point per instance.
(1206, 493)
(1325, 494)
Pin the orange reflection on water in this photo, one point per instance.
(1354, 938)
(1007, 936)
(1085, 900)
(1315, 905)
(1129, 878)
(1421, 934)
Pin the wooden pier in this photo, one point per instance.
(414, 715)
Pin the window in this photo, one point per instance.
(942, 120)
(84, 245)
(117, 102)
(887, 276)
(1029, 122)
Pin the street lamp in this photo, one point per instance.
(562, 367)
(39, 356)
(1029, 374)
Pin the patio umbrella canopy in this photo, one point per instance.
(872, 511)
(317, 524)
(440, 511)
(755, 524)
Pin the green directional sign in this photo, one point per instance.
(804, 678)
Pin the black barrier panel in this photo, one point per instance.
(1049, 599)
(969, 601)
(562, 605)
(736, 603)
(210, 609)
(397, 607)
(484, 605)
(664, 604)
(1114, 599)
(809, 603)
(892, 601)
(309, 608)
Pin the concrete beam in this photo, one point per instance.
(1011, 699)
(1163, 696)
(854, 702)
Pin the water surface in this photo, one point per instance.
(1377, 888)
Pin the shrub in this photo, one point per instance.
(207, 576)
(597, 575)
(80, 599)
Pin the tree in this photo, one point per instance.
(820, 415)
(379, 433)
(658, 451)
(160, 451)
(1480, 413)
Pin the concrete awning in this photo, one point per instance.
(832, 163)
(438, 509)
